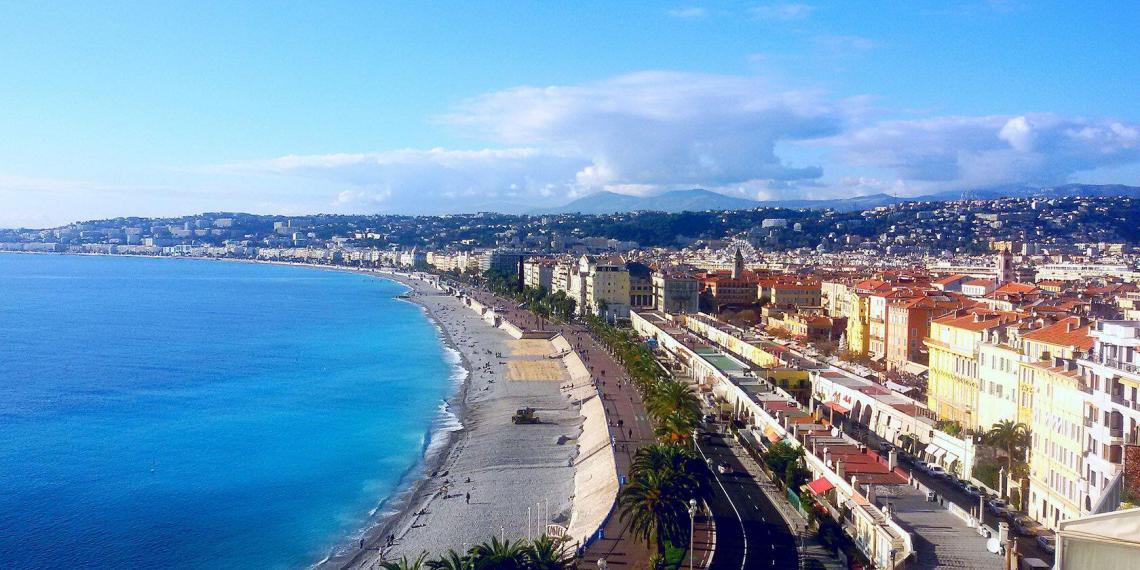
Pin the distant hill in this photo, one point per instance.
(697, 200)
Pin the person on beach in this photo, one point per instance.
(468, 497)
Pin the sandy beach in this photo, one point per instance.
(507, 469)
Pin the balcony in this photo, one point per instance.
(1118, 399)
(1128, 367)
(1088, 422)
(1084, 388)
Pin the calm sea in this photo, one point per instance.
(201, 414)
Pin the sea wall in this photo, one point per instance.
(595, 470)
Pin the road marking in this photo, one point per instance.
(743, 532)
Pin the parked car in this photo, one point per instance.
(936, 470)
(997, 507)
(921, 465)
(1019, 524)
(1048, 543)
(972, 490)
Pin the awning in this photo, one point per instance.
(914, 368)
(950, 458)
(820, 486)
(936, 453)
(837, 407)
(770, 433)
(878, 358)
(900, 388)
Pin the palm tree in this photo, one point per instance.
(654, 513)
(498, 555)
(676, 428)
(671, 397)
(1010, 436)
(406, 564)
(547, 553)
(690, 477)
(451, 561)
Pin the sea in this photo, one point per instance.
(177, 413)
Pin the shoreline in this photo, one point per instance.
(391, 510)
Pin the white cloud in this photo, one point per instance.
(782, 12)
(658, 128)
(688, 13)
(971, 152)
(645, 132)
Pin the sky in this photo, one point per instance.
(171, 108)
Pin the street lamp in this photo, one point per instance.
(692, 518)
(602, 564)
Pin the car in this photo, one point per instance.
(724, 468)
(1048, 543)
(921, 465)
(937, 471)
(1020, 524)
(997, 507)
(972, 490)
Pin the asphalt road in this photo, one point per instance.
(1026, 544)
(750, 531)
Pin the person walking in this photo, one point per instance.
(468, 497)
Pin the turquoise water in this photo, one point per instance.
(191, 414)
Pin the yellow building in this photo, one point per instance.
(858, 324)
(1067, 338)
(954, 343)
(999, 368)
(1055, 477)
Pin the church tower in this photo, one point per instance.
(1004, 267)
(738, 265)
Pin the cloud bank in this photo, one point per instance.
(651, 131)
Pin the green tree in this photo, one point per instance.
(451, 561)
(404, 563)
(1011, 436)
(649, 505)
(547, 553)
(671, 397)
(498, 555)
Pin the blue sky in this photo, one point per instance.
(170, 108)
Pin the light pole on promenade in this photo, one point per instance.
(692, 520)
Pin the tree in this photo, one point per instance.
(547, 553)
(785, 459)
(1011, 436)
(498, 555)
(671, 397)
(404, 563)
(451, 561)
(652, 510)
(676, 428)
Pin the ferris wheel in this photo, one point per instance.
(746, 249)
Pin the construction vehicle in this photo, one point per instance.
(525, 416)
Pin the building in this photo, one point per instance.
(908, 323)
(954, 342)
(675, 293)
(538, 273)
(1110, 540)
(1004, 271)
(601, 287)
(795, 295)
(1057, 483)
(640, 286)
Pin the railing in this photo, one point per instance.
(1084, 388)
(1118, 399)
(1120, 365)
(1088, 422)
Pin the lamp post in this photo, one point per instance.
(692, 519)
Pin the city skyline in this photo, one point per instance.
(155, 111)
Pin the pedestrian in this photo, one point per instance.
(468, 497)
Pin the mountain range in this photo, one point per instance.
(696, 200)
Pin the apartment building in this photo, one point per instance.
(538, 273)
(795, 295)
(601, 286)
(677, 293)
(954, 342)
(908, 323)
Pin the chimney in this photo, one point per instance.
(978, 317)
(892, 459)
(826, 456)
(871, 493)
(839, 470)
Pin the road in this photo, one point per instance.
(1026, 544)
(750, 531)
